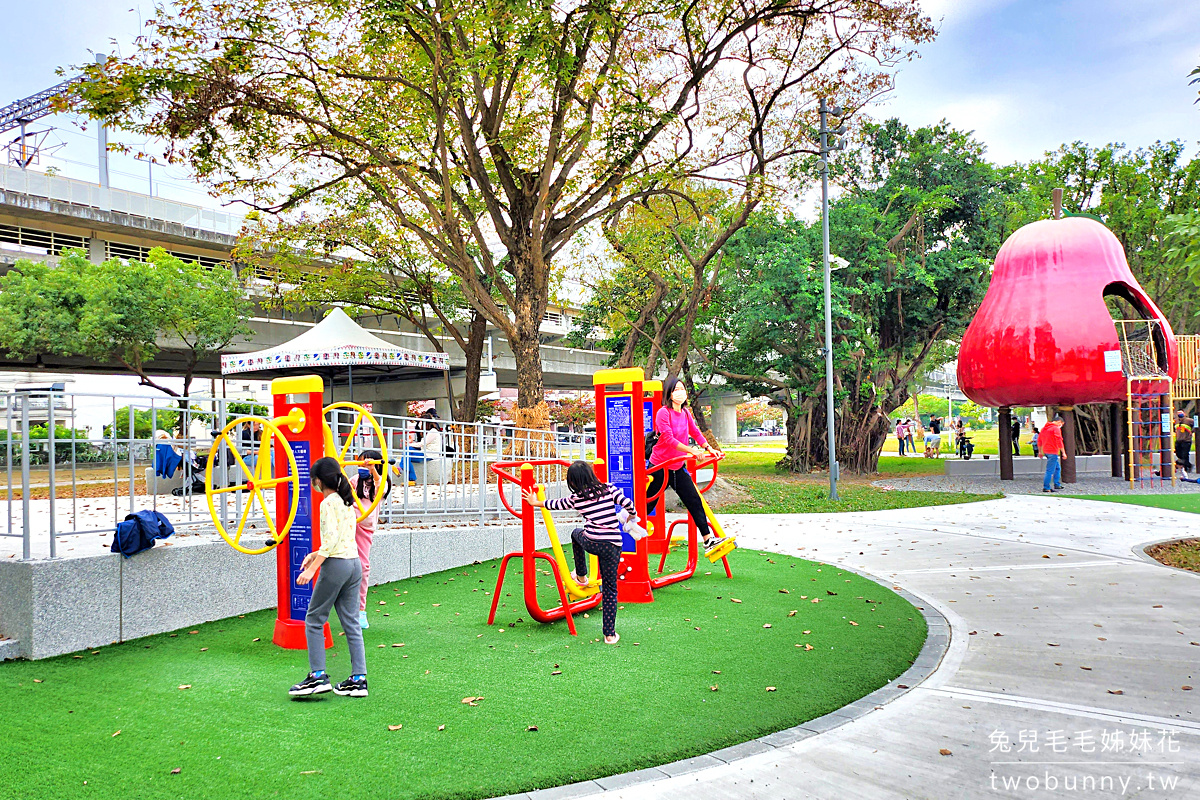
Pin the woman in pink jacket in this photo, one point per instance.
(675, 425)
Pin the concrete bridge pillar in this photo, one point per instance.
(723, 419)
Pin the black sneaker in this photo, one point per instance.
(311, 685)
(352, 687)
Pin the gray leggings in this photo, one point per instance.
(337, 587)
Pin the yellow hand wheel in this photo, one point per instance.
(257, 480)
(341, 454)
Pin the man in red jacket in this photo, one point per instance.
(1051, 443)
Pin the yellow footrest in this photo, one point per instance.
(722, 549)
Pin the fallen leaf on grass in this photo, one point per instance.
(394, 727)
(1089, 669)
(946, 752)
(1186, 688)
(791, 613)
(176, 771)
(531, 728)
(767, 625)
(1116, 691)
(310, 772)
(398, 644)
(441, 727)
(256, 639)
(855, 624)
(1052, 644)
(770, 688)
(734, 600)
(115, 735)
(716, 672)
(556, 672)
(471, 701)
(784, 591)
(37, 680)
(192, 633)
(202, 649)
(183, 686)
(714, 687)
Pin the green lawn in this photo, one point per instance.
(690, 675)
(773, 492)
(763, 464)
(1175, 502)
(782, 497)
(986, 441)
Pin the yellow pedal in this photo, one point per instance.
(722, 549)
(678, 540)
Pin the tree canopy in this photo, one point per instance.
(120, 311)
(494, 132)
(920, 221)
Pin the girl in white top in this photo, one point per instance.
(336, 587)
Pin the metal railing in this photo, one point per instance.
(64, 482)
(84, 193)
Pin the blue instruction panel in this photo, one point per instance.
(619, 455)
(300, 538)
(648, 417)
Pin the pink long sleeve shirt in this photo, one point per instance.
(674, 428)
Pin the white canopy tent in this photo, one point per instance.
(335, 344)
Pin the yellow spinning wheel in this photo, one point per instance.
(256, 482)
(341, 453)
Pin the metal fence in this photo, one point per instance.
(66, 482)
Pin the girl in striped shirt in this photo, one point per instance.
(601, 535)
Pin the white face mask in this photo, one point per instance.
(679, 396)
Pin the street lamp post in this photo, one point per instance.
(826, 111)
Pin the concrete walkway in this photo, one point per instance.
(1065, 673)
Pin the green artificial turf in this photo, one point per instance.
(598, 709)
(1175, 502)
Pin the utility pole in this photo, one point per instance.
(826, 112)
(102, 152)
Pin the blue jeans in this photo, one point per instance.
(1053, 470)
(409, 458)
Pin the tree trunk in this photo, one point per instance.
(476, 339)
(698, 412)
(531, 299)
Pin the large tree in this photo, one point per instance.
(1134, 193)
(121, 312)
(495, 131)
(922, 216)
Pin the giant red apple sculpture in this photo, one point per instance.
(1041, 334)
